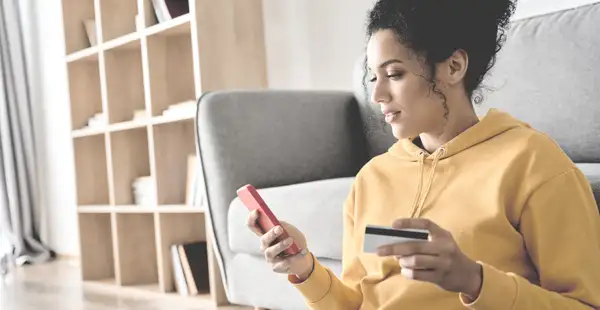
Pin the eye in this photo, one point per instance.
(372, 79)
(395, 76)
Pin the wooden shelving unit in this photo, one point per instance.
(143, 69)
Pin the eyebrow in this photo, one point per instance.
(389, 62)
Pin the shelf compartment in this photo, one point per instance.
(118, 18)
(76, 13)
(176, 229)
(170, 68)
(130, 161)
(84, 92)
(95, 234)
(125, 86)
(136, 249)
(173, 143)
(90, 171)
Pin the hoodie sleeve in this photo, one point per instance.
(323, 290)
(560, 225)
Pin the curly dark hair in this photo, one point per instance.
(435, 29)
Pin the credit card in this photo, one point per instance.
(377, 236)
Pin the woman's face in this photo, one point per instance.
(400, 86)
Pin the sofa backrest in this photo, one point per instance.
(547, 74)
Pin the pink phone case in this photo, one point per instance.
(266, 219)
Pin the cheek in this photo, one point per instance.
(413, 94)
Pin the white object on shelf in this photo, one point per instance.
(98, 120)
(143, 191)
(139, 115)
(185, 108)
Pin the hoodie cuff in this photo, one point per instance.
(316, 286)
(498, 291)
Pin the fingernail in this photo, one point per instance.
(382, 251)
(287, 241)
(278, 230)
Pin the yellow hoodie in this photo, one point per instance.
(513, 201)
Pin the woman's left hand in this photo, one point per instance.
(439, 260)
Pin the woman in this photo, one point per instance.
(512, 221)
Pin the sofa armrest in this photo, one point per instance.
(274, 138)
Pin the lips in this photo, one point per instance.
(391, 116)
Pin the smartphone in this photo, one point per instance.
(377, 236)
(266, 219)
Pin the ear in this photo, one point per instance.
(457, 66)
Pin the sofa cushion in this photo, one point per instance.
(315, 208)
(547, 76)
(592, 172)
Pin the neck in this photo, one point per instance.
(458, 121)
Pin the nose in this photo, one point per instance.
(380, 93)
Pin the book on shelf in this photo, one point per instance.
(195, 188)
(190, 267)
(168, 9)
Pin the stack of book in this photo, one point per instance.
(98, 120)
(190, 268)
(182, 109)
(143, 191)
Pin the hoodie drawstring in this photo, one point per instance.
(418, 203)
(414, 206)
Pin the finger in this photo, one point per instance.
(287, 264)
(252, 221)
(420, 275)
(277, 249)
(268, 238)
(420, 223)
(283, 266)
(420, 262)
(410, 248)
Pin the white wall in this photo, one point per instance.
(311, 44)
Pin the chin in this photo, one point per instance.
(402, 133)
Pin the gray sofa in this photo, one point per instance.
(303, 148)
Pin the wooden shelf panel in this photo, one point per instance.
(95, 209)
(88, 54)
(118, 18)
(157, 209)
(130, 161)
(140, 209)
(175, 229)
(95, 233)
(136, 249)
(84, 92)
(126, 42)
(170, 68)
(173, 143)
(125, 88)
(75, 13)
(90, 169)
(176, 26)
(88, 132)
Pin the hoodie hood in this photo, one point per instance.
(494, 123)
(491, 125)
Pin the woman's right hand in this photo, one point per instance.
(300, 265)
